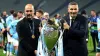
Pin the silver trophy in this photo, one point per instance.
(50, 42)
(50, 35)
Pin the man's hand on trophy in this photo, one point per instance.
(40, 29)
(99, 29)
(3, 30)
(35, 51)
(66, 26)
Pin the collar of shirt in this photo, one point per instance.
(70, 19)
(36, 17)
(21, 18)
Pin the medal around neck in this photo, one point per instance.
(33, 36)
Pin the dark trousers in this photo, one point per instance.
(5, 39)
(75, 52)
(5, 35)
(23, 52)
(94, 39)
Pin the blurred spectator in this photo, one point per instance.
(93, 29)
(83, 13)
(39, 14)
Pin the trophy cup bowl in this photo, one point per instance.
(51, 35)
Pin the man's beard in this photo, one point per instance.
(73, 15)
(29, 16)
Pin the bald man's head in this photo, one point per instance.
(29, 10)
(29, 6)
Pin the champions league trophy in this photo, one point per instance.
(50, 34)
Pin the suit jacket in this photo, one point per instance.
(74, 39)
(27, 44)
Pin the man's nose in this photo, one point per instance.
(73, 10)
(28, 12)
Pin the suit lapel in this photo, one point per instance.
(76, 23)
(67, 20)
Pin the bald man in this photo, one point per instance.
(28, 32)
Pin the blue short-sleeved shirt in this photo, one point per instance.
(12, 27)
(93, 26)
(98, 26)
(9, 20)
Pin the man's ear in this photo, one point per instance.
(68, 9)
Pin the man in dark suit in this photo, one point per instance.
(28, 32)
(75, 28)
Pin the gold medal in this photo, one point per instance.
(33, 36)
